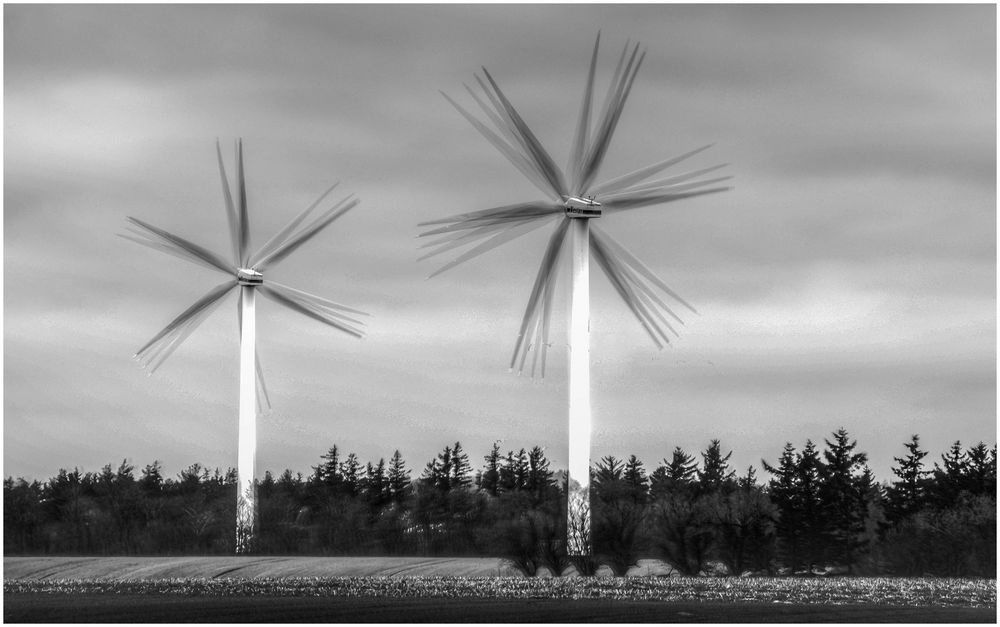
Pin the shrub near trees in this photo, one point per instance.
(816, 510)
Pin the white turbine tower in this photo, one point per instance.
(245, 273)
(572, 205)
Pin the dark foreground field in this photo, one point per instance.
(135, 608)
(455, 590)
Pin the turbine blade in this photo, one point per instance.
(644, 199)
(547, 318)
(604, 133)
(157, 234)
(549, 260)
(244, 221)
(305, 234)
(515, 210)
(616, 77)
(618, 282)
(329, 314)
(540, 334)
(533, 344)
(650, 300)
(466, 228)
(626, 180)
(232, 218)
(464, 231)
(583, 125)
(656, 187)
(261, 390)
(553, 175)
(318, 300)
(156, 355)
(463, 239)
(166, 248)
(202, 306)
(502, 238)
(507, 125)
(496, 115)
(278, 238)
(619, 250)
(519, 161)
(280, 296)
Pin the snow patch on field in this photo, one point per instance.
(257, 567)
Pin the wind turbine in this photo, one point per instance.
(245, 271)
(574, 200)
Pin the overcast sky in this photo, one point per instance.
(849, 279)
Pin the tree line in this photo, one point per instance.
(818, 510)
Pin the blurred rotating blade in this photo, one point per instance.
(626, 180)
(606, 129)
(545, 274)
(263, 400)
(516, 158)
(232, 218)
(244, 214)
(620, 283)
(160, 238)
(467, 228)
(319, 301)
(518, 210)
(619, 251)
(295, 303)
(633, 200)
(548, 168)
(282, 236)
(579, 145)
(664, 186)
(140, 238)
(507, 235)
(463, 238)
(307, 232)
(156, 350)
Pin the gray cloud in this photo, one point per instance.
(848, 279)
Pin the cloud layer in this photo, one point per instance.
(848, 280)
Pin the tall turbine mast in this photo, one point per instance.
(245, 271)
(574, 200)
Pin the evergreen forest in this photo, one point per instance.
(815, 510)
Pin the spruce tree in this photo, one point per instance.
(783, 490)
(350, 470)
(375, 486)
(539, 478)
(749, 480)
(715, 474)
(950, 479)
(679, 472)
(397, 478)
(843, 492)
(489, 479)
(634, 476)
(461, 469)
(809, 469)
(521, 470)
(907, 494)
(980, 470)
(508, 473)
(328, 473)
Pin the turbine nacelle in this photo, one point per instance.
(577, 207)
(249, 276)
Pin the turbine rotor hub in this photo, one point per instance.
(577, 207)
(249, 276)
